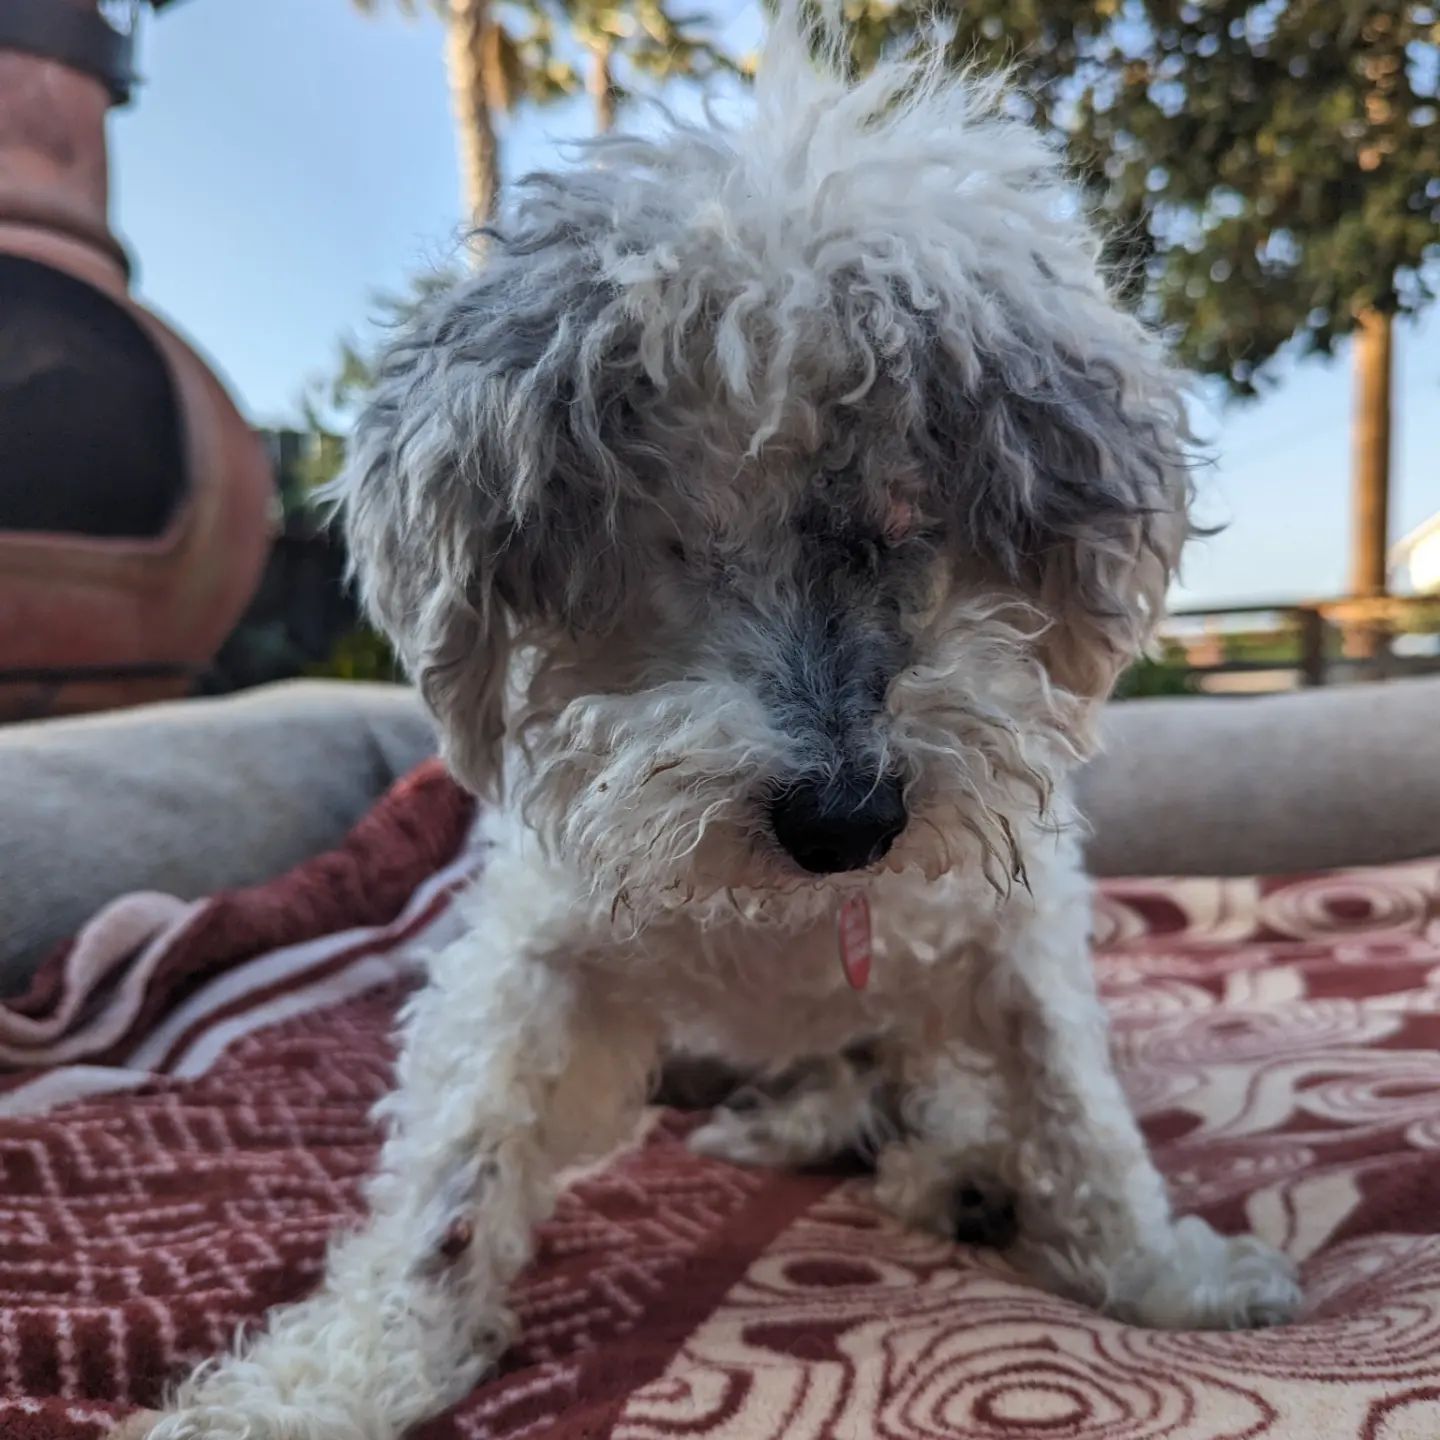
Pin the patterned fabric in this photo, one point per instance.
(184, 1120)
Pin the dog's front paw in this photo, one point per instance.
(228, 1422)
(136, 1426)
(205, 1423)
(1208, 1281)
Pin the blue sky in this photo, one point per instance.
(288, 159)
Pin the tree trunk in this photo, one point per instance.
(467, 28)
(1370, 520)
(601, 85)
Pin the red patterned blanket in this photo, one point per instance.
(183, 1120)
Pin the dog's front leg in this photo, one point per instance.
(511, 1068)
(1094, 1217)
(1052, 1133)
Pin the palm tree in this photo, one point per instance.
(650, 42)
(478, 91)
(492, 66)
(601, 84)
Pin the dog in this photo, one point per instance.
(765, 520)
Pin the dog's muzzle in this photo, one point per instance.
(827, 826)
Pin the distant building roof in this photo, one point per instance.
(1419, 553)
(1426, 530)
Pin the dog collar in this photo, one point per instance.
(856, 951)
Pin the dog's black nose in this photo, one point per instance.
(844, 824)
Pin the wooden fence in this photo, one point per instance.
(1240, 648)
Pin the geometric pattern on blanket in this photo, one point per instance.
(184, 1120)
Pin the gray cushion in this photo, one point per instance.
(1348, 775)
(187, 798)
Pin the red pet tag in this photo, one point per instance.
(855, 951)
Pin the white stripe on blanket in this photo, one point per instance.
(101, 947)
(380, 957)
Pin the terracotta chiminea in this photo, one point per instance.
(135, 502)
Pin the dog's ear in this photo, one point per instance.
(1104, 494)
(1063, 469)
(482, 483)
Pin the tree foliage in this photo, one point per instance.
(1275, 166)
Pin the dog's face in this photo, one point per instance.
(783, 500)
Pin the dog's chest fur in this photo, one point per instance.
(758, 978)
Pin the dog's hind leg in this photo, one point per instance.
(946, 1173)
(933, 1170)
(510, 1070)
(809, 1113)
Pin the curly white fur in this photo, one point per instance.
(807, 463)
